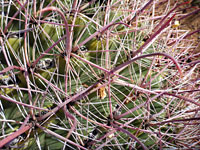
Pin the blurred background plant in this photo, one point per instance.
(108, 74)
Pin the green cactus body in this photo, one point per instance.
(14, 45)
(137, 83)
(49, 34)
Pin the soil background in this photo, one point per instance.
(190, 22)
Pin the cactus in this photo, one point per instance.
(93, 75)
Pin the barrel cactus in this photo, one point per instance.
(93, 74)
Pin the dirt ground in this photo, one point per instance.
(192, 22)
